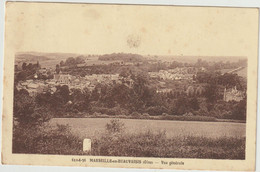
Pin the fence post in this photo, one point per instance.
(86, 145)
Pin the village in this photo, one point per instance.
(37, 85)
(34, 86)
(179, 73)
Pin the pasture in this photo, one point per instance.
(94, 127)
(140, 138)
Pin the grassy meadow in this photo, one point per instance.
(92, 127)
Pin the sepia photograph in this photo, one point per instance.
(136, 86)
(124, 104)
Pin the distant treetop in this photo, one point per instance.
(122, 56)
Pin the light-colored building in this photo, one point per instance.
(164, 90)
(184, 73)
(233, 95)
(62, 78)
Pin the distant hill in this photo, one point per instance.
(122, 56)
(30, 58)
(241, 71)
(51, 59)
(48, 60)
(47, 55)
(193, 59)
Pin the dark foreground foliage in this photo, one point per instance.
(116, 142)
(46, 140)
(150, 144)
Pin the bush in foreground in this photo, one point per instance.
(150, 144)
(46, 140)
(156, 144)
(115, 126)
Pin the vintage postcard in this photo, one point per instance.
(131, 86)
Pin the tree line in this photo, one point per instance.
(121, 99)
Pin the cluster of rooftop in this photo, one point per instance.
(73, 82)
(179, 73)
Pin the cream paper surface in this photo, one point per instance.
(160, 30)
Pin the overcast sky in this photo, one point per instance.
(161, 30)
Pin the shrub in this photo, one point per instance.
(115, 111)
(187, 118)
(164, 114)
(46, 140)
(115, 126)
(146, 115)
(156, 110)
(96, 114)
(136, 115)
(156, 144)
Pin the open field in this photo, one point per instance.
(119, 140)
(93, 127)
(134, 138)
